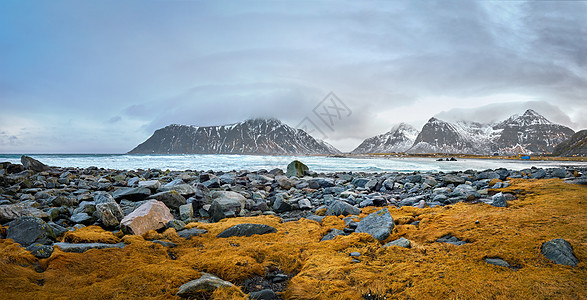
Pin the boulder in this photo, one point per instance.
(172, 199)
(107, 209)
(186, 211)
(206, 283)
(360, 182)
(150, 184)
(265, 294)
(281, 205)
(183, 189)
(226, 204)
(132, 194)
(11, 212)
(337, 208)
(378, 224)
(246, 229)
(30, 163)
(152, 215)
(40, 250)
(498, 200)
(296, 168)
(30, 230)
(454, 179)
(332, 234)
(449, 239)
(496, 261)
(188, 233)
(560, 252)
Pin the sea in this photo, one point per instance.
(321, 164)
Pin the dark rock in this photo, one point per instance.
(226, 204)
(186, 190)
(11, 212)
(378, 224)
(559, 173)
(172, 199)
(539, 174)
(281, 205)
(132, 194)
(30, 163)
(337, 208)
(165, 243)
(454, 179)
(82, 218)
(332, 234)
(14, 168)
(265, 294)
(449, 239)
(213, 182)
(188, 233)
(83, 247)
(30, 230)
(40, 250)
(560, 252)
(107, 209)
(178, 225)
(246, 229)
(360, 182)
(497, 261)
(296, 168)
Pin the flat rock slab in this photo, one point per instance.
(378, 224)
(337, 208)
(560, 252)
(132, 194)
(30, 230)
(449, 239)
(83, 247)
(11, 212)
(497, 262)
(188, 233)
(246, 229)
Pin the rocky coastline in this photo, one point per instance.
(40, 206)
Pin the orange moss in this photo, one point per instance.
(545, 209)
(90, 234)
(493, 181)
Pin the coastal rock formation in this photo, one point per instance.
(576, 145)
(254, 136)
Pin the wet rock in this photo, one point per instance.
(560, 252)
(107, 209)
(30, 163)
(296, 168)
(188, 233)
(152, 215)
(83, 247)
(11, 212)
(401, 242)
(171, 199)
(378, 224)
(207, 282)
(226, 204)
(30, 230)
(246, 229)
(337, 208)
(132, 194)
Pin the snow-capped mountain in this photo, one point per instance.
(519, 134)
(399, 139)
(254, 136)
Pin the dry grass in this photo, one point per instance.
(545, 209)
(90, 234)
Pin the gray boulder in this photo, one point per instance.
(226, 204)
(454, 179)
(107, 209)
(560, 252)
(172, 199)
(11, 212)
(281, 205)
(332, 234)
(30, 163)
(246, 229)
(337, 208)
(188, 233)
(296, 168)
(497, 262)
(449, 239)
(183, 189)
(498, 200)
(40, 250)
(132, 194)
(378, 224)
(30, 230)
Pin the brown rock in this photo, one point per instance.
(152, 215)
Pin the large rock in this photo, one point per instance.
(172, 199)
(560, 252)
(281, 205)
(337, 208)
(150, 184)
(107, 209)
(152, 215)
(498, 200)
(30, 163)
(11, 212)
(206, 283)
(296, 168)
(332, 234)
(401, 242)
(30, 230)
(378, 224)
(246, 229)
(132, 194)
(188, 233)
(226, 204)
(183, 189)
(83, 247)
(454, 179)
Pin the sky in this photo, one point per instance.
(101, 76)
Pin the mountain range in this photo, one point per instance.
(529, 133)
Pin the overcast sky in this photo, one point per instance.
(101, 76)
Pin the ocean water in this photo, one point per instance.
(221, 162)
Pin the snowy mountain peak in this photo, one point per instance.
(398, 139)
(529, 118)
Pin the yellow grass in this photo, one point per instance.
(544, 210)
